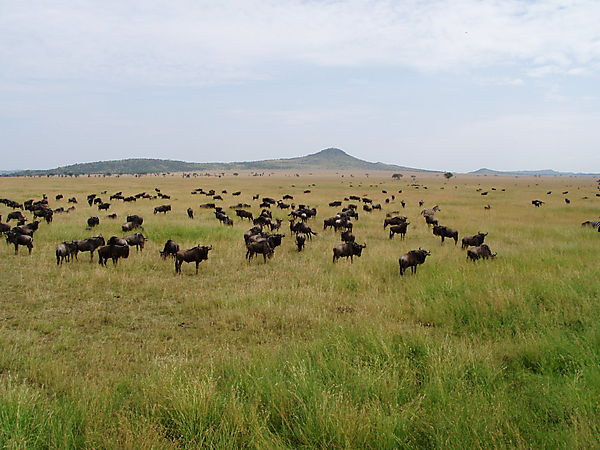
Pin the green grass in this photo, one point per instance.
(301, 352)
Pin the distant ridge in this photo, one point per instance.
(327, 159)
(543, 172)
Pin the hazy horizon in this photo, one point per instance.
(439, 85)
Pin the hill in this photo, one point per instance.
(543, 172)
(328, 159)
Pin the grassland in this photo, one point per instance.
(300, 352)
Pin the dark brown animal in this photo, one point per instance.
(93, 221)
(190, 213)
(348, 250)
(137, 239)
(473, 241)
(412, 259)
(347, 236)
(64, 251)
(445, 232)
(482, 252)
(171, 248)
(89, 245)
(399, 229)
(300, 240)
(196, 254)
(113, 252)
(19, 239)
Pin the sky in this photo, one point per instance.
(437, 84)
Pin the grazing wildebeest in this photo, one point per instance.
(430, 220)
(64, 251)
(567, 201)
(196, 254)
(301, 227)
(15, 215)
(347, 236)
(412, 259)
(473, 241)
(348, 250)
(244, 214)
(162, 209)
(336, 203)
(171, 248)
(93, 221)
(113, 252)
(421, 203)
(300, 240)
(17, 239)
(28, 229)
(275, 225)
(103, 206)
(137, 239)
(445, 232)
(89, 245)
(482, 251)
(396, 220)
(260, 247)
(399, 229)
(59, 197)
(4, 228)
(115, 240)
(537, 203)
(72, 200)
(190, 213)
(111, 216)
(487, 207)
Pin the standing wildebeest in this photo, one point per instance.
(473, 241)
(113, 252)
(260, 247)
(396, 220)
(64, 251)
(482, 251)
(244, 214)
(15, 215)
(567, 201)
(412, 259)
(347, 236)
(445, 232)
(171, 248)
(196, 254)
(103, 206)
(93, 221)
(28, 229)
(591, 223)
(537, 203)
(190, 213)
(300, 240)
(89, 245)
(162, 209)
(17, 239)
(399, 229)
(347, 250)
(430, 220)
(4, 228)
(137, 239)
(301, 227)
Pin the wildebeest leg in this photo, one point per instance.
(197, 263)
(16, 248)
(91, 255)
(391, 234)
(177, 266)
(442, 239)
(351, 259)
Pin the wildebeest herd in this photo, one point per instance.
(263, 238)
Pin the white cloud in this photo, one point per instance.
(197, 42)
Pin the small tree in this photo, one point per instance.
(448, 175)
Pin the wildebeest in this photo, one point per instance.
(347, 236)
(396, 220)
(103, 206)
(473, 241)
(15, 215)
(348, 250)
(89, 245)
(17, 239)
(412, 259)
(591, 223)
(567, 201)
(137, 239)
(445, 232)
(4, 228)
(171, 248)
(244, 214)
(301, 227)
(113, 252)
(111, 216)
(537, 203)
(190, 213)
(93, 221)
(300, 240)
(64, 251)
(162, 209)
(196, 254)
(260, 247)
(430, 220)
(28, 229)
(483, 252)
(399, 229)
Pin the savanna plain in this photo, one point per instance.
(299, 351)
